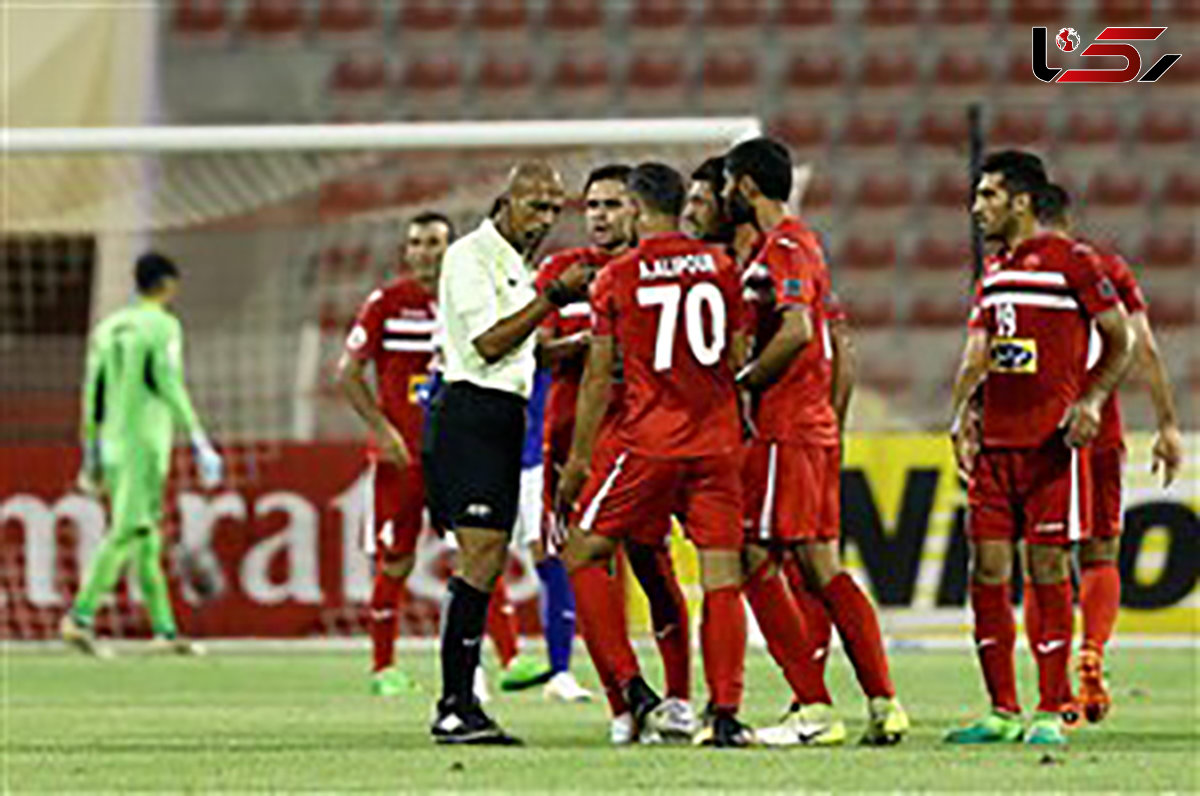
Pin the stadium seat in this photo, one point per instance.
(431, 87)
(275, 21)
(501, 22)
(1020, 87)
(349, 20)
(413, 189)
(890, 23)
(1027, 13)
(807, 135)
(358, 87)
(885, 198)
(1184, 17)
(656, 83)
(940, 313)
(1124, 12)
(658, 23)
(430, 25)
(867, 253)
(1172, 310)
(944, 254)
(800, 22)
(1116, 189)
(1089, 136)
(942, 137)
(948, 189)
(962, 20)
(819, 195)
(962, 75)
(203, 21)
(729, 83)
(732, 23)
(872, 135)
(1180, 199)
(885, 76)
(1169, 250)
(350, 195)
(568, 22)
(1026, 128)
(1166, 135)
(813, 76)
(580, 85)
(505, 86)
(873, 313)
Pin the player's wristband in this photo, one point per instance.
(558, 294)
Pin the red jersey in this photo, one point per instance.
(1112, 433)
(789, 271)
(672, 306)
(394, 330)
(1037, 310)
(564, 322)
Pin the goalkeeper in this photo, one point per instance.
(133, 397)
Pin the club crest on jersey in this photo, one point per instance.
(1013, 355)
(792, 288)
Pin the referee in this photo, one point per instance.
(490, 311)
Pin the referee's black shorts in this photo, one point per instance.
(472, 457)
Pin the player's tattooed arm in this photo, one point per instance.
(795, 332)
(1167, 452)
(594, 395)
(352, 380)
(971, 372)
(845, 365)
(1082, 420)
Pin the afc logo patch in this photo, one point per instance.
(1013, 355)
(793, 288)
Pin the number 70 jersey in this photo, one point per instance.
(672, 306)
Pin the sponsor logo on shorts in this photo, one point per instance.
(1013, 355)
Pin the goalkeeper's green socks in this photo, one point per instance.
(146, 547)
(148, 558)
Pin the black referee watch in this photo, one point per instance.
(558, 294)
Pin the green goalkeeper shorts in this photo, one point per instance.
(135, 487)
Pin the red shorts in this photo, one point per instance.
(792, 492)
(1043, 495)
(630, 496)
(395, 502)
(1107, 467)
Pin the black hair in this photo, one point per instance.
(1023, 172)
(1050, 203)
(152, 269)
(767, 162)
(659, 186)
(617, 172)
(434, 217)
(712, 171)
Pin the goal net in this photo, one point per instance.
(280, 232)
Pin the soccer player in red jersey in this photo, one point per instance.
(394, 332)
(563, 344)
(792, 470)
(1030, 479)
(1100, 580)
(671, 308)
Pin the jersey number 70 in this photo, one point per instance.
(706, 351)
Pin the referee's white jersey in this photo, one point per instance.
(483, 280)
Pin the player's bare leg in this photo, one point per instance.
(1049, 569)
(1100, 599)
(386, 593)
(995, 641)
(858, 626)
(723, 641)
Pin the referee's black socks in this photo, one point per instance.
(463, 624)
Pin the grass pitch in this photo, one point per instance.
(304, 721)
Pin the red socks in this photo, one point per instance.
(782, 625)
(995, 637)
(817, 623)
(599, 610)
(858, 626)
(502, 624)
(1100, 598)
(1052, 648)
(723, 640)
(384, 619)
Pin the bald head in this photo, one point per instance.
(532, 200)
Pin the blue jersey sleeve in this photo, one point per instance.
(535, 413)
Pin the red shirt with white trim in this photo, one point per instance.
(672, 306)
(790, 271)
(394, 330)
(1037, 309)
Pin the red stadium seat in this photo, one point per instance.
(818, 195)
(349, 18)
(879, 191)
(873, 313)
(275, 20)
(575, 18)
(813, 75)
(1019, 128)
(953, 14)
(200, 20)
(429, 24)
(1171, 310)
(1121, 190)
(948, 189)
(944, 254)
(431, 86)
(1166, 128)
(1091, 130)
(735, 22)
(872, 134)
(412, 189)
(888, 72)
(1182, 189)
(359, 74)
(962, 73)
(729, 82)
(501, 18)
(940, 313)
(801, 132)
(505, 85)
(349, 196)
(1169, 250)
(1124, 12)
(863, 253)
(1036, 12)
(804, 20)
(943, 130)
(659, 22)
(890, 21)
(581, 85)
(656, 82)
